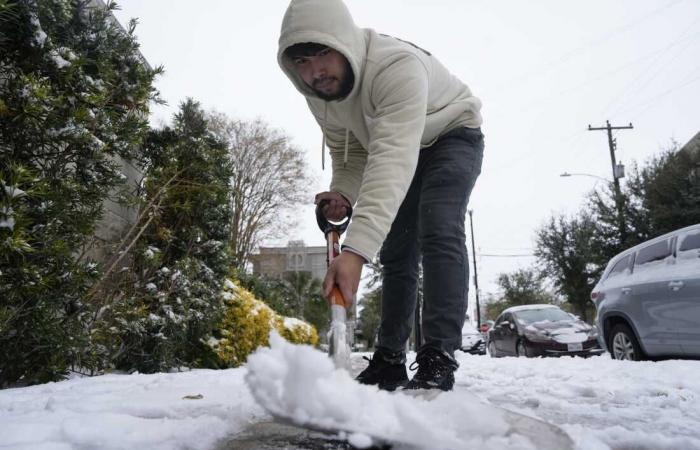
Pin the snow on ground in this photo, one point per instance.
(146, 412)
(624, 404)
(601, 403)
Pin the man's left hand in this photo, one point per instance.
(345, 272)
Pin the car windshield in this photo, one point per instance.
(529, 316)
(469, 329)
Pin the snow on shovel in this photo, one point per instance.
(338, 347)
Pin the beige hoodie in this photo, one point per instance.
(403, 100)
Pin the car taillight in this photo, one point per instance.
(597, 296)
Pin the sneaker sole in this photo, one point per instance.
(392, 386)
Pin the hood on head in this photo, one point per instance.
(326, 22)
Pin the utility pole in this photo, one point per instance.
(476, 278)
(618, 172)
(418, 322)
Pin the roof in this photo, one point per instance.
(624, 253)
(103, 5)
(529, 307)
(693, 145)
(289, 250)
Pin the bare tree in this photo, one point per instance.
(269, 181)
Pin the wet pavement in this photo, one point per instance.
(276, 436)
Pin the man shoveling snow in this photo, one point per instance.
(406, 150)
(406, 147)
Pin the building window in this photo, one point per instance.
(295, 261)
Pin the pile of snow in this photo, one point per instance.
(301, 384)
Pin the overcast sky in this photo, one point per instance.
(544, 71)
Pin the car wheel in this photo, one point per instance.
(492, 350)
(521, 350)
(624, 345)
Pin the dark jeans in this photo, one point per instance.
(430, 224)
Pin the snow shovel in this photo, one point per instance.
(338, 348)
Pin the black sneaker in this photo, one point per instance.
(387, 371)
(436, 370)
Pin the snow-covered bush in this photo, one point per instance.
(172, 286)
(74, 95)
(298, 332)
(246, 325)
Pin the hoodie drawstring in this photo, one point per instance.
(345, 155)
(323, 136)
(323, 140)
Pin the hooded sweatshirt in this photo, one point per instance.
(402, 100)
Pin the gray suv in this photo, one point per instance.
(648, 299)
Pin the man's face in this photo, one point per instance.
(327, 72)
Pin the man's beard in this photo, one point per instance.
(346, 85)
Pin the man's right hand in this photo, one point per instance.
(337, 207)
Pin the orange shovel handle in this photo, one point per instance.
(336, 297)
(332, 240)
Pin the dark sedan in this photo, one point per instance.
(541, 330)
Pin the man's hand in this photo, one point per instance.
(336, 209)
(345, 272)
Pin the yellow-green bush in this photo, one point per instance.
(298, 331)
(247, 323)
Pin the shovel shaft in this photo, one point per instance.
(333, 248)
(338, 348)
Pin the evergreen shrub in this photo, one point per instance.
(74, 93)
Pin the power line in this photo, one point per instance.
(629, 86)
(488, 255)
(627, 26)
(537, 102)
(573, 141)
(528, 153)
(663, 94)
(593, 43)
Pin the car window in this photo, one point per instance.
(468, 328)
(654, 252)
(690, 241)
(620, 267)
(506, 317)
(529, 316)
